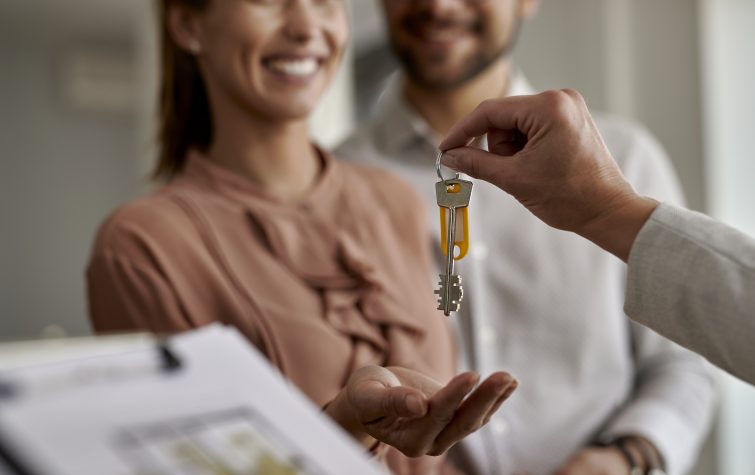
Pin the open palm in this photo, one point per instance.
(418, 415)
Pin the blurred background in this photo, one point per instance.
(77, 87)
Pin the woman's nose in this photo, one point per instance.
(302, 19)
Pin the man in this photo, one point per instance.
(690, 277)
(540, 303)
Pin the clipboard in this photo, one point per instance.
(201, 403)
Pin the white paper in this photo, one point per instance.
(226, 411)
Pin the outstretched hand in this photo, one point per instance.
(414, 413)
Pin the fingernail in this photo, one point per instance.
(414, 405)
(511, 388)
(450, 160)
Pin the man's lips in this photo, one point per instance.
(441, 35)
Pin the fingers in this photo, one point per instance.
(480, 164)
(413, 379)
(506, 394)
(522, 114)
(505, 142)
(475, 411)
(445, 402)
(372, 400)
(502, 114)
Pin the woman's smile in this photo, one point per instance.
(293, 68)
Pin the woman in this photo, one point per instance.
(322, 265)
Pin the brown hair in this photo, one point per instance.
(184, 111)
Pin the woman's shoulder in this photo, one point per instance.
(154, 220)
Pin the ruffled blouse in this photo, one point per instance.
(323, 285)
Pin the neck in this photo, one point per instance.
(441, 109)
(276, 156)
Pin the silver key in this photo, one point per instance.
(451, 293)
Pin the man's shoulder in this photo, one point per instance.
(363, 145)
(641, 157)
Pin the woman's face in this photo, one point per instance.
(274, 58)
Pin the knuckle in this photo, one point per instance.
(488, 104)
(574, 94)
(558, 101)
(551, 96)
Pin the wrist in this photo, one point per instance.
(631, 457)
(617, 226)
(652, 458)
(640, 455)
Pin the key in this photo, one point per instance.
(452, 195)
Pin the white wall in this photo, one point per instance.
(728, 71)
(635, 58)
(62, 171)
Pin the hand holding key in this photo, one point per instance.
(452, 195)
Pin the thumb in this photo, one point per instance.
(479, 164)
(373, 400)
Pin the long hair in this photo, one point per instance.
(184, 111)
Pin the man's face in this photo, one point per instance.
(444, 43)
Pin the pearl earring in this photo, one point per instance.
(195, 47)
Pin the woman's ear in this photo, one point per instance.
(528, 8)
(183, 26)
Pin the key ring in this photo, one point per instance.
(439, 172)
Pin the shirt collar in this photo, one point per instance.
(401, 127)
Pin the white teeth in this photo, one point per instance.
(295, 67)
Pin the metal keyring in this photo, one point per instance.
(438, 171)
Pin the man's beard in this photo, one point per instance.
(477, 64)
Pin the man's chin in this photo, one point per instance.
(444, 77)
(441, 80)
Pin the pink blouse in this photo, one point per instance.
(322, 286)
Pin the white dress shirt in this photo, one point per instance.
(546, 305)
(693, 279)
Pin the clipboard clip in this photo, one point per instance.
(168, 362)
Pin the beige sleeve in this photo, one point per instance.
(691, 279)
